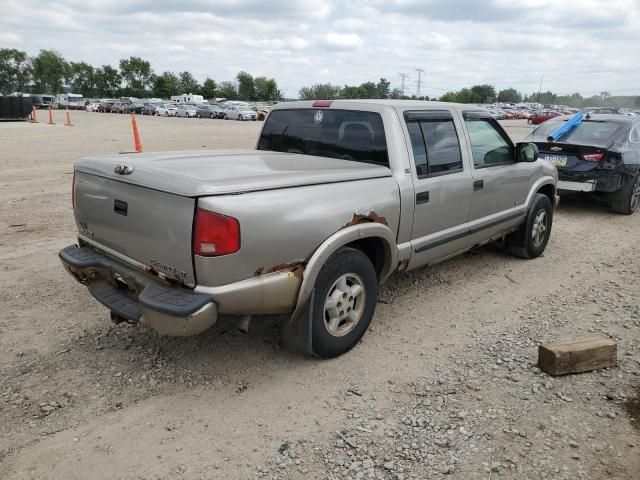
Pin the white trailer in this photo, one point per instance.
(73, 101)
(188, 98)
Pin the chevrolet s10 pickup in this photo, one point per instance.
(336, 197)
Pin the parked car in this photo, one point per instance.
(309, 224)
(210, 111)
(601, 154)
(166, 110)
(186, 110)
(106, 106)
(92, 107)
(239, 112)
(134, 108)
(119, 107)
(541, 117)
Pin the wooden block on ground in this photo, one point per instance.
(577, 355)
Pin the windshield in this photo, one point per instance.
(345, 134)
(586, 132)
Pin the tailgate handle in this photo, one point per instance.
(120, 207)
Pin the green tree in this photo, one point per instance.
(165, 85)
(137, 75)
(209, 88)
(396, 93)
(350, 91)
(228, 90)
(15, 70)
(187, 83)
(483, 94)
(82, 78)
(368, 90)
(449, 97)
(49, 70)
(246, 86)
(509, 95)
(107, 81)
(383, 88)
(320, 91)
(266, 89)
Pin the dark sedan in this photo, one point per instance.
(601, 154)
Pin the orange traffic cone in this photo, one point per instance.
(68, 124)
(34, 117)
(51, 122)
(136, 134)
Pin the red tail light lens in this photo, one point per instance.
(592, 157)
(215, 234)
(322, 103)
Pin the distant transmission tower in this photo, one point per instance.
(420, 72)
(403, 76)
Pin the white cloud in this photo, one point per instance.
(10, 38)
(345, 41)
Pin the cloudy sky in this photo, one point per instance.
(577, 45)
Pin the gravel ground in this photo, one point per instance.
(444, 385)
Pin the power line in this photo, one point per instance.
(403, 76)
(420, 72)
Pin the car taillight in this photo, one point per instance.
(322, 103)
(215, 234)
(73, 191)
(592, 157)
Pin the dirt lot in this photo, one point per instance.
(444, 385)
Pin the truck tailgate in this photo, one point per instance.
(146, 225)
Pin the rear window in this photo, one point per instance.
(345, 134)
(586, 132)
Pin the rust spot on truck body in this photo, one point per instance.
(297, 268)
(403, 265)
(365, 218)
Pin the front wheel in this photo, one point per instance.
(627, 199)
(345, 296)
(211, 116)
(530, 240)
(225, 117)
(530, 121)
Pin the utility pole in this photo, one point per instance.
(403, 76)
(540, 89)
(420, 72)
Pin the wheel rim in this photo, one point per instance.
(635, 194)
(540, 227)
(344, 304)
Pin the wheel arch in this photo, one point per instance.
(373, 239)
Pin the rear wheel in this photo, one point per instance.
(212, 116)
(627, 199)
(530, 121)
(530, 240)
(345, 296)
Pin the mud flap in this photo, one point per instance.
(296, 330)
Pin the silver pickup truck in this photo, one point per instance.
(336, 197)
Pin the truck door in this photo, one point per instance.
(500, 184)
(442, 184)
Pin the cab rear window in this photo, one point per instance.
(344, 134)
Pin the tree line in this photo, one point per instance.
(480, 94)
(49, 71)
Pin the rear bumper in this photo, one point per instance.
(593, 181)
(169, 309)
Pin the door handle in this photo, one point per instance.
(478, 185)
(422, 197)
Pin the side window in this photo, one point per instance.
(436, 149)
(487, 145)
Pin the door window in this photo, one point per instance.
(436, 149)
(488, 146)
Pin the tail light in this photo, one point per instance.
(215, 234)
(322, 103)
(592, 157)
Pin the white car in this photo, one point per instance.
(186, 110)
(239, 112)
(166, 110)
(92, 107)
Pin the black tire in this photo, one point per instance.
(198, 115)
(212, 116)
(627, 199)
(225, 117)
(529, 121)
(522, 243)
(346, 261)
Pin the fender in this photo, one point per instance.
(338, 240)
(541, 182)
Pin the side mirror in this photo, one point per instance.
(527, 152)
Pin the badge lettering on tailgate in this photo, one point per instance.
(168, 268)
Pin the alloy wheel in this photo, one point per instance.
(540, 227)
(344, 304)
